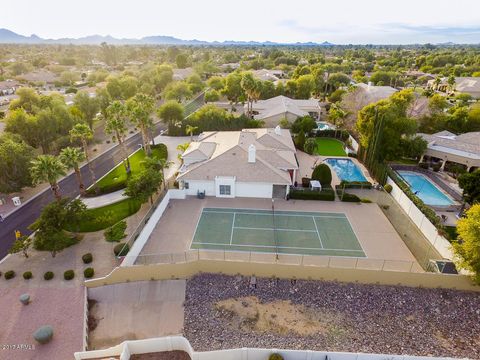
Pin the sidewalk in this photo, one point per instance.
(172, 142)
(102, 200)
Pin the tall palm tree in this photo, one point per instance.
(72, 158)
(116, 123)
(249, 86)
(83, 133)
(182, 148)
(158, 164)
(189, 129)
(140, 109)
(48, 168)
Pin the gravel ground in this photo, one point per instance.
(370, 318)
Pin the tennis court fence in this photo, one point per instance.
(274, 258)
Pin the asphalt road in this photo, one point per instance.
(29, 212)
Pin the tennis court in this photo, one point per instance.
(285, 232)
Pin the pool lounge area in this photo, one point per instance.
(346, 170)
(425, 189)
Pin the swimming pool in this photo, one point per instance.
(323, 126)
(346, 170)
(426, 190)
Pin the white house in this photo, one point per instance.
(271, 111)
(258, 163)
(461, 149)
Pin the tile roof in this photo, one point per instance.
(467, 145)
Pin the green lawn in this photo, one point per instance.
(117, 178)
(106, 216)
(329, 147)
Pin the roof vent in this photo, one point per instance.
(278, 130)
(251, 153)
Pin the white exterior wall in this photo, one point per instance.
(255, 190)
(200, 185)
(225, 180)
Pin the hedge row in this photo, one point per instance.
(355, 185)
(307, 194)
(337, 134)
(347, 197)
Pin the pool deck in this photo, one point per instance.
(175, 230)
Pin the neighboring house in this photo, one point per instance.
(229, 66)
(39, 76)
(182, 74)
(464, 85)
(462, 149)
(273, 110)
(259, 163)
(8, 87)
(268, 75)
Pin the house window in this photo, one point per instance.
(185, 185)
(225, 190)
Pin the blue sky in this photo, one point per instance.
(341, 22)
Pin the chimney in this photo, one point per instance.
(251, 153)
(278, 130)
(369, 85)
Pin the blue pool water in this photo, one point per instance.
(346, 169)
(425, 189)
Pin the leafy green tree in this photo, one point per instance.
(178, 90)
(413, 147)
(181, 60)
(212, 96)
(195, 83)
(28, 99)
(396, 124)
(305, 87)
(469, 182)
(310, 145)
(49, 233)
(159, 165)
(15, 158)
(303, 124)
(143, 185)
(171, 113)
(72, 158)
(216, 83)
(82, 133)
(251, 88)
(140, 109)
(116, 123)
(22, 244)
(467, 246)
(233, 89)
(88, 106)
(323, 174)
(48, 168)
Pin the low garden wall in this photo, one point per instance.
(439, 242)
(179, 343)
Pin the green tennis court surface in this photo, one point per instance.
(286, 232)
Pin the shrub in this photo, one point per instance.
(365, 201)
(388, 188)
(116, 232)
(347, 197)
(323, 174)
(305, 182)
(355, 185)
(27, 275)
(121, 249)
(69, 275)
(48, 275)
(423, 165)
(310, 145)
(87, 258)
(436, 167)
(88, 273)
(275, 356)
(71, 90)
(325, 194)
(10, 274)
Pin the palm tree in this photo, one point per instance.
(48, 168)
(249, 86)
(158, 164)
(189, 129)
(140, 109)
(116, 123)
(182, 148)
(83, 133)
(72, 158)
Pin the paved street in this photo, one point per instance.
(29, 212)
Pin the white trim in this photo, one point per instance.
(233, 227)
(280, 247)
(316, 228)
(272, 229)
(270, 214)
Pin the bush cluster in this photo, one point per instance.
(48, 275)
(323, 174)
(27, 275)
(69, 275)
(87, 258)
(116, 232)
(121, 249)
(10, 274)
(326, 194)
(88, 273)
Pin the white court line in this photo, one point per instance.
(233, 227)
(340, 216)
(316, 228)
(280, 247)
(276, 229)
